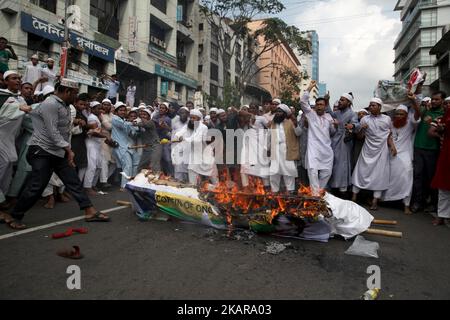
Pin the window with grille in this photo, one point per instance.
(214, 72)
(49, 5)
(214, 52)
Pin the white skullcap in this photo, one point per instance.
(50, 59)
(166, 104)
(213, 110)
(230, 108)
(207, 118)
(134, 109)
(402, 107)
(185, 109)
(426, 99)
(107, 101)
(220, 111)
(196, 112)
(34, 56)
(142, 107)
(278, 101)
(377, 100)
(364, 110)
(38, 93)
(260, 108)
(447, 99)
(94, 104)
(69, 83)
(142, 104)
(47, 90)
(201, 109)
(285, 108)
(146, 110)
(9, 73)
(348, 96)
(119, 104)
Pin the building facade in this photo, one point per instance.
(422, 23)
(442, 52)
(150, 42)
(277, 59)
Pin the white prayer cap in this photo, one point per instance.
(260, 108)
(201, 109)
(348, 96)
(213, 110)
(119, 104)
(35, 56)
(50, 60)
(166, 104)
(220, 111)
(185, 109)
(402, 107)
(377, 100)
(107, 101)
(142, 106)
(277, 101)
(447, 99)
(38, 93)
(148, 112)
(207, 118)
(134, 109)
(47, 90)
(285, 108)
(426, 99)
(364, 110)
(196, 112)
(95, 104)
(9, 73)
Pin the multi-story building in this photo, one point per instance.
(422, 22)
(278, 59)
(222, 59)
(151, 42)
(322, 89)
(442, 52)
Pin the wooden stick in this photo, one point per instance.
(138, 147)
(385, 233)
(124, 203)
(385, 222)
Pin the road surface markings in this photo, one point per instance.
(54, 224)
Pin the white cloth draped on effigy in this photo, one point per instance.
(224, 207)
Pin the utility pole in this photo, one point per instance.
(65, 47)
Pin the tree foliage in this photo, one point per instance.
(231, 18)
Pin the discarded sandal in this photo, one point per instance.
(69, 233)
(72, 253)
(98, 217)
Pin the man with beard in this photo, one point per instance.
(179, 154)
(33, 71)
(123, 132)
(49, 73)
(201, 158)
(342, 146)
(164, 128)
(12, 111)
(319, 154)
(401, 166)
(151, 153)
(94, 147)
(372, 169)
(284, 150)
(26, 91)
(108, 162)
(254, 161)
(213, 120)
(50, 152)
(426, 153)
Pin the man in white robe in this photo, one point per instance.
(33, 72)
(402, 170)
(319, 154)
(284, 149)
(201, 158)
(108, 161)
(373, 167)
(180, 156)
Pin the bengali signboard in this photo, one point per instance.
(54, 33)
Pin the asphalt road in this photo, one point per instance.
(129, 259)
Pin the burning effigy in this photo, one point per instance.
(225, 206)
